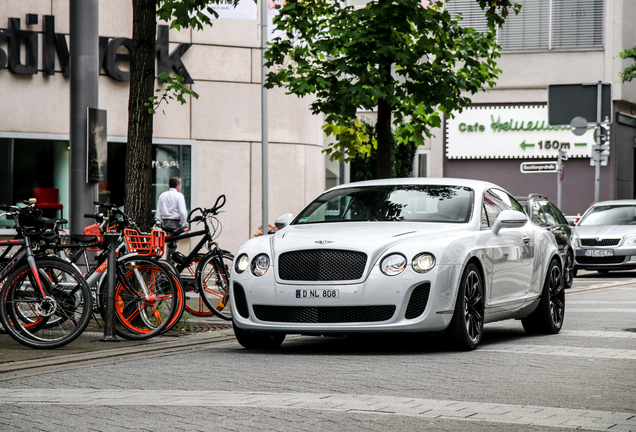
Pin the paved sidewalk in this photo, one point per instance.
(89, 346)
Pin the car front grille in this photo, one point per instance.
(324, 314)
(418, 301)
(241, 301)
(600, 260)
(600, 242)
(321, 265)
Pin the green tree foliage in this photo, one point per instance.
(364, 168)
(406, 59)
(629, 73)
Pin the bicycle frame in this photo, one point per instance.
(24, 252)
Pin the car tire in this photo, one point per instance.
(467, 325)
(568, 271)
(548, 317)
(256, 339)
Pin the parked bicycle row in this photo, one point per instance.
(47, 301)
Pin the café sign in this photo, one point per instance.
(511, 132)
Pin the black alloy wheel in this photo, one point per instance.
(548, 317)
(467, 326)
(568, 271)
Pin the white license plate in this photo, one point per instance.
(599, 252)
(321, 293)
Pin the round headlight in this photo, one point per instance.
(242, 263)
(393, 264)
(423, 262)
(260, 264)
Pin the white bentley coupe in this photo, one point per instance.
(435, 255)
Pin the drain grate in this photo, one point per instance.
(633, 330)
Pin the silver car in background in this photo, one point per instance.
(605, 237)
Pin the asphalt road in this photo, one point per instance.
(582, 378)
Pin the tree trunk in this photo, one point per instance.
(385, 150)
(142, 83)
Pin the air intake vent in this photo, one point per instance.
(321, 265)
(418, 301)
(241, 301)
(326, 314)
(600, 260)
(601, 242)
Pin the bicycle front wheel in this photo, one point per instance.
(65, 310)
(213, 280)
(147, 298)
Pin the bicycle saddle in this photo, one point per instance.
(83, 238)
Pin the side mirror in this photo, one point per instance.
(571, 222)
(284, 220)
(509, 219)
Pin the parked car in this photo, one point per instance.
(430, 255)
(605, 237)
(547, 215)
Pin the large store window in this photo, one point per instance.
(43, 162)
(542, 24)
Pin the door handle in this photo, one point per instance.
(526, 240)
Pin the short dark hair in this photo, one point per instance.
(174, 182)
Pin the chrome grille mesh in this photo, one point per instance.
(321, 265)
(600, 242)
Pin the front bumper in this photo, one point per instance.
(623, 258)
(378, 304)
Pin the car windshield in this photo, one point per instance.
(610, 215)
(420, 203)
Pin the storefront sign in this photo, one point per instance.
(55, 43)
(511, 132)
(97, 155)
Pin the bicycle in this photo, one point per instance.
(149, 299)
(44, 302)
(205, 275)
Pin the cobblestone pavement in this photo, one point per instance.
(580, 379)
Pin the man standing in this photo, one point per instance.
(171, 207)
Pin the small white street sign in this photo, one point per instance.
(539, 167)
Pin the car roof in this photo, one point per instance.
(616, 202)
(477, 185)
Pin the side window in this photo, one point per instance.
(537, 213)
(557, 214)
(492, 207)
(484, 217)
(550, 217)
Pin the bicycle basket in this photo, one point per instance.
(145, 245)
(93, 230)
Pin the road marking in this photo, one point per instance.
(603, 302)
(603, 310)
(367, 404)
(599, 333)
(565, 351)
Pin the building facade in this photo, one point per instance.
(213, 143)
(549, 42)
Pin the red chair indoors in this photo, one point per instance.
(48, 199)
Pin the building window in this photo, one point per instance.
(421, 163)
(542, 24)
(29, 161)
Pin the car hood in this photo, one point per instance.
(605, 231)
(370, 237)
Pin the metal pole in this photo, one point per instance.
(264, 119)
(597, 135)
(110, 334)
(84, 35)
(559, 172)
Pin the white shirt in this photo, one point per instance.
(171, 205)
